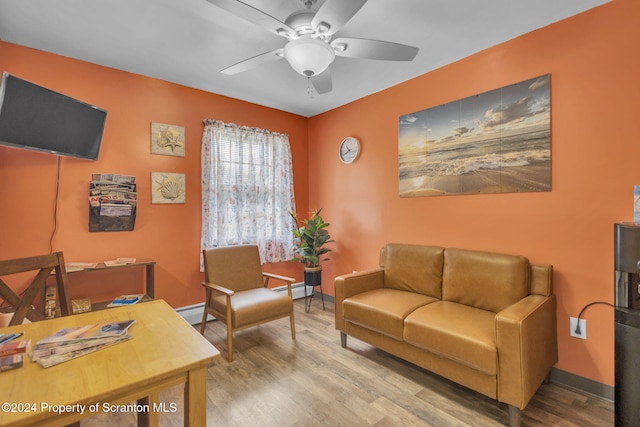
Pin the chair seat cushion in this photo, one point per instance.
(383, 310)
(255, 305)
(457, 332)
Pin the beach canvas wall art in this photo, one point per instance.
(495, 142)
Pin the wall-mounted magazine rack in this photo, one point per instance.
(110, 222)
(112, 202)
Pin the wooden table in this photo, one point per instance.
(165, 351)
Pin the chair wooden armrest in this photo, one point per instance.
(286, 279)
(219, 289)
(268, 276)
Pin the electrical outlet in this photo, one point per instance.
(573, 321)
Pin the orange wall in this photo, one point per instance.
(170, 234)
(594, 64)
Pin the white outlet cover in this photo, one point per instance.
(583, 328)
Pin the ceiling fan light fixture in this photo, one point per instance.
(309, 56)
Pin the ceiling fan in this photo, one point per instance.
(310, 48)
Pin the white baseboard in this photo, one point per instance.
(297, 290)
(193, 313)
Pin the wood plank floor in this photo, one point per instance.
(312, 381)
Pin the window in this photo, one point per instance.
(247, 190)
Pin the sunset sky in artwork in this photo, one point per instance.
(509, 109)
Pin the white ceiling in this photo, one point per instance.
(189, 41)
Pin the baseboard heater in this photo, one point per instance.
(193, 313)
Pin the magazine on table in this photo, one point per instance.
(11, 361)
(88, 332)
(55, 359)
(51, 348)
(126, 300)
(72, 342)
(14, 346)
(119, 261)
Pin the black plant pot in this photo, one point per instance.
(313, 276)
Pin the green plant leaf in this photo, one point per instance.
(311, 238)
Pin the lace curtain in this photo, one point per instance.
(247, 189)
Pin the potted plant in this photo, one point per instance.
(311, 238)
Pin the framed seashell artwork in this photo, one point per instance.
(167, 139)
(168, 188)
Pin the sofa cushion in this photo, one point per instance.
(413, 268)
(457, 332)
(383, 310)
(485, 280)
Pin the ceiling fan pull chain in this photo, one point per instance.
(309, 89)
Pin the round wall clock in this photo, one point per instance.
(349, 149)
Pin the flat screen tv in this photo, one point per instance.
(37, 118)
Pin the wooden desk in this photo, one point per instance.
(165, 351)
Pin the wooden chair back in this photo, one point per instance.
(235, 267)
(44, 265)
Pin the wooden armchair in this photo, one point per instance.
(23, 305)
(237, 293)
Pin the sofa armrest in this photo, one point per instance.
(526, 338)
(352, 284)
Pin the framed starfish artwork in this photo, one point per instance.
(167, 140)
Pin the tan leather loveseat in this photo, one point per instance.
(484, 320)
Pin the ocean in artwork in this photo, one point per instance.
(495, 142)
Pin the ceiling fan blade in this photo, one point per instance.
(253, 62)
(333, 14)
(253, 15)
(322, 82)
(373, 49)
